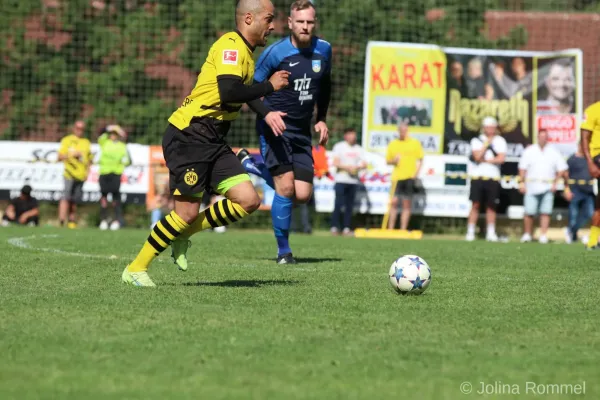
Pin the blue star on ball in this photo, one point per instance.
(418, 283)
(417, 261)
(398, 273)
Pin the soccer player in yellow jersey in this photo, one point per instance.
(590, 136)
(406, 155)
(194, 146)
(75, 152)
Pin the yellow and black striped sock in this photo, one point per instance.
(164, 232)
(222, 213)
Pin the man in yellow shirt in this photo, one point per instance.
(590, 136)
(75, 153)
(406, 155)
(194, 146)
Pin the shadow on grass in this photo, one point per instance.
(310, 260)
(248, 283)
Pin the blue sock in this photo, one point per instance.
(281, 215)
(259, 169)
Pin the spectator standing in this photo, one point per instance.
(114, 157)
(75, 153)
(349, 160)
(580, 194)
(488, 152)
(540, 168)
(406, 155)
(23, 210)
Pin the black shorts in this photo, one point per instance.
(485, 192)
(198, 158)
(405, 189)
(110, 183)
(290, 152)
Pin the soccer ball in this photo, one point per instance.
(410, 274)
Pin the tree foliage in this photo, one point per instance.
(63, 60)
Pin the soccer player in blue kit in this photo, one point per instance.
(287, 149)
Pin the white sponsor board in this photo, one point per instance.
(438, 196)
(35, 163)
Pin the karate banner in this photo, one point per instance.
(444, 94)
(404, 82)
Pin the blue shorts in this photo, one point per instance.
(538, 203)
(290, 152)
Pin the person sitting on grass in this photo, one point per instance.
(23, 210)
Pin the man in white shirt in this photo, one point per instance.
(348, 159)
(488, 152)
(540, 168)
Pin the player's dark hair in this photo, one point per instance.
(348, 130)
(300, 5)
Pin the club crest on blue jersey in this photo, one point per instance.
(316, 65)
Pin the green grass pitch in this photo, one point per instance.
(238, 326)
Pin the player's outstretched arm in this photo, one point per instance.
(274, 119)
(259, 107)
(233, 90)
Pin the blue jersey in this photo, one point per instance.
(310, 70)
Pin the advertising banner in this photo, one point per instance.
(36, 164)
(443, 94)
(438, 193)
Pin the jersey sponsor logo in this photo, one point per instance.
(316, 65)
(294, 64)
(230, 57)
(302, 85)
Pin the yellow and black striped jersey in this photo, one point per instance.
(230, 56)
(591, 122)
(76, 168)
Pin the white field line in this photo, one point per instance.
(23, 243)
